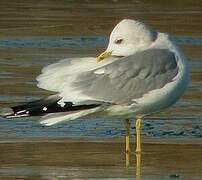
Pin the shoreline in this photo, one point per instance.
(160, 141)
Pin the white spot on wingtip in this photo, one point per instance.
(45, 108)
(61, 103)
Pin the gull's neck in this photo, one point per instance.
(163, 41)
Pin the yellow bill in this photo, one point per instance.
(103, 56)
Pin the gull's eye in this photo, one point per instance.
(118, 41)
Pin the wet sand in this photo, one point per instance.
(95, 17)
(35, 33)
(97, 159)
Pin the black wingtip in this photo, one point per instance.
(45, 106)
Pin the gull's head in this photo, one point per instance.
(128, 37)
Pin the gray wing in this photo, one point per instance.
(129, 77)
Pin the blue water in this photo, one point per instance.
(55, 42)
(183, 127)
(72, 42)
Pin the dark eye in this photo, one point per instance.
(119, 41)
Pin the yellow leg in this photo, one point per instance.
(138, 135)
(127, 126)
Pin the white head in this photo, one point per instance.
(128, 37)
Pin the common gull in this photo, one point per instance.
(141, 72)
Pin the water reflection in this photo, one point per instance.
(138, 164)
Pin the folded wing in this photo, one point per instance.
(125, 79)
